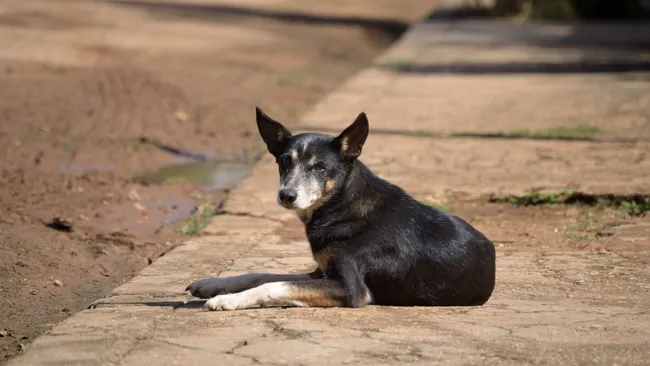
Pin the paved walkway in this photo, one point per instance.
(550, 306)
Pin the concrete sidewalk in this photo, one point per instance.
(552, 304)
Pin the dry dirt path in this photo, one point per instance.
(572, 280)
(92, 92)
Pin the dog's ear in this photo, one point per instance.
(351, 140)
(274, 134)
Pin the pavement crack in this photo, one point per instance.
(137, 340)
(248, 214)
(288, 333)
(179, 345)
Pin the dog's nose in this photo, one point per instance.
(287, 196)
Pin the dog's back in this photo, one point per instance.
(408, 253)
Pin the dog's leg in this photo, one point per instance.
(211, 287)
(313, 293)
(343, 288)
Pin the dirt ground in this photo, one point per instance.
(94, 93)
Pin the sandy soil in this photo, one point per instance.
(86, 87)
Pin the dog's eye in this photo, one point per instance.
(319, 167)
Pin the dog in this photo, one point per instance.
(373, 243)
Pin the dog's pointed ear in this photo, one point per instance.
(351, 140)
(274, 134)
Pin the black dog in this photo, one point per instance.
(373, 243)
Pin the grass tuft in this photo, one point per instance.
(535, 197)
(198, 220)
(289, 78)
(635, 205)
(397, 64)
(634, 208)
(554, 133)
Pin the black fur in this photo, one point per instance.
(377, 239)
(407, 253)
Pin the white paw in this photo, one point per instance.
(222, 302)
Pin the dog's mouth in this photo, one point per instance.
(289, 206)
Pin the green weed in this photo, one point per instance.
(289, 78)
(576, 237)
(422, 133)
(636, 205)
(634, 208)
(535, 197)
(397, 63)
(554, 133)
(198, 221)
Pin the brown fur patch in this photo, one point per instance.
(305, 215)
(314, 297)
(323, 259)
(328, 186)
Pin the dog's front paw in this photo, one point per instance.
(222, 302)
(209, 287)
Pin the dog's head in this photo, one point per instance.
(313, 167)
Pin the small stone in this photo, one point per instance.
(134, 195)
(60, 224)
(32, 292)
(4, 333)
(57, 283)
(139, 207)
(181, 115)
(84, 217)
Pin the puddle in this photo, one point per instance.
(153, 212)
(210, 174)
(163, 199)
(173, 193)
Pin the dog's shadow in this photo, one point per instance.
(192, 304)
(176, 304)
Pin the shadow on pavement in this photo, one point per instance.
(530, 47)
(176, 304)
(392, 28)
(583, 67)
